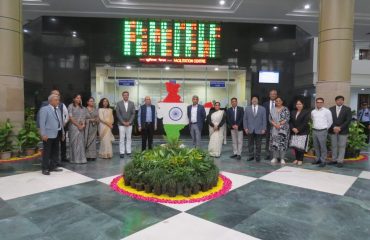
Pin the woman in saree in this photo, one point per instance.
(77, 115)
(105, 129)
(216, 120)
(91, 131)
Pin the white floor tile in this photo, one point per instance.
(107, 180)
(34, 182)
(237, 181)
(365, 174)
(184, 227)
(310, 179)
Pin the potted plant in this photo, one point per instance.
(157, 181)
(147, 182)
(171, 186)
(356, 140)
(6, 130)
(29, 136)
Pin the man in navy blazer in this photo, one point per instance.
(254, 126)
(268, 106)
(51, 130)
(235, 121)
(196, 115)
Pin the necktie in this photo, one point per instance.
(273, 105)
(235, 114)
(56, 114)
(338, 111)
(254, 111)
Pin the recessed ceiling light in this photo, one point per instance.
(128, 67)
(26, 30)
(362, 89)
(293, 53)
(53, 19)
(222, 2)
(216, 69)
(261, 39)
(167, 68)
(275, 27)
(307, 6)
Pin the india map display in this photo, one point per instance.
(168, 38)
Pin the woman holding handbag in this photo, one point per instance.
(299, 125)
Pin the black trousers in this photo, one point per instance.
(366, 130)
(267, 146)
(299, 154)
(147, 132)
(50, 155)
(254, 140)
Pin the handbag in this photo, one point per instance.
(299, 142)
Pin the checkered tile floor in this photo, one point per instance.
(265, 202)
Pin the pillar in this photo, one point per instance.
(335, 49)
(11, 62)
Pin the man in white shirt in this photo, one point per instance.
(321, 122)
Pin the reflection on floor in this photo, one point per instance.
(266, 202)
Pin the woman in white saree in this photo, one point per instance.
(216, 120)
(105, 129)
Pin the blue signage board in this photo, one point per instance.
(126, 82)
(220, 84)
(172, 81)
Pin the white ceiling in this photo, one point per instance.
(257, 11)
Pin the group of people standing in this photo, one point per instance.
(283, 129)
(83, 125)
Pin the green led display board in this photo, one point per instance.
(167, 38)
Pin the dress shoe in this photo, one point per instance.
(250, 159)
(60, 165)
(332, 163)
(122, 155)
(45, 172)
(340, 165)
(322, 164)
(238, 157)
(316, 162)
(268, 157)
(258, 159)
(233, 156)
(129, 154)
(56, 170)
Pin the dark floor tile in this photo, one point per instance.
(17, 227)
(6, 211)
(360, 190)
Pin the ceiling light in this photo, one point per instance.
(222, 2)
(275, 28)
(261, 39)
(26, 30)
(362, 89)
(216, 69)
(293, 53)
(53, 19)
(307, 6)
(128, 67)
(167, 68)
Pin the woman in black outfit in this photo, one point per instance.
(299, 126)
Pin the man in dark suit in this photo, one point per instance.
(196, 115)
(363, 117)
(269, 105)
(339, 130)
(51, 129)
(254, 126)
(235, 122)
(147, 122)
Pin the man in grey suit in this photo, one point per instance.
(255, 125)
(125, 110)
(51, 129)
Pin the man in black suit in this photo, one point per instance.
(147, 122)
(339, 130)
(235, 122)
(269, 105)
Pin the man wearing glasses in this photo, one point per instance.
(321, 121)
